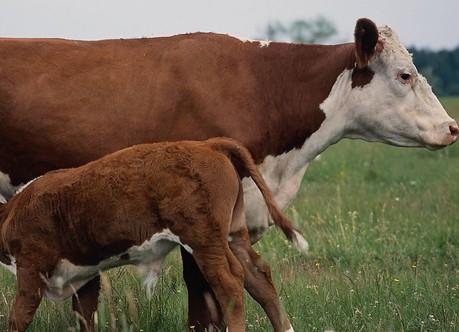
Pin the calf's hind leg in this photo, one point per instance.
(258, 282)
(85, 301)
(204, 314)
(225, 276)
(29, 292)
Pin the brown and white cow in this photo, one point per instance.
(133, 207)
(64, 103)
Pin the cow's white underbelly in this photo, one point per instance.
(67, 278)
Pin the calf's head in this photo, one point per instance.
(389, 100)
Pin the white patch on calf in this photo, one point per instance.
(151, 245)
(22, 187)
(6, 188)
(67, 278)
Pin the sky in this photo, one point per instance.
(422, 23)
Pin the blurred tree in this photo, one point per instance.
(441, 68)
(310, 31)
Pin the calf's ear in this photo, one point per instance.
(366, 38)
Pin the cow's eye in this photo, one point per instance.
(404, 77)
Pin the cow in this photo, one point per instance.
(64, 103)
(133, 207)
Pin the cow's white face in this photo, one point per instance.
(392, 103)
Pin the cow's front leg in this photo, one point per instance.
(85, 301)
(204, 313)
(30, 288)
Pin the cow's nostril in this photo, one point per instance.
(454, 130)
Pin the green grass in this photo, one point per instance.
(383, 225)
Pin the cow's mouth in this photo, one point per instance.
(438, 146)
(443, 141)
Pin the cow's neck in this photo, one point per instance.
(293, 80)
(298, 82)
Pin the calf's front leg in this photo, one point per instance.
(30, 288)
(85, 302)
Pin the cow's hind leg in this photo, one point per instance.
(258, 282)
(225, 275)
(29, 292)
(204, 313)
(85, 301)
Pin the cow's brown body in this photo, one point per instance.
(64, 103)
(111, 208)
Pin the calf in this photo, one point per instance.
(133, 207)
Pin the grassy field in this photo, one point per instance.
(383, 225)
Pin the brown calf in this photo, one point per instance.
(133, 207)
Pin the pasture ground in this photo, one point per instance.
(383, 225)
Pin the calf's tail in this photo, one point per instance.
(243, 161)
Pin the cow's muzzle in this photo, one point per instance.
(453, 131)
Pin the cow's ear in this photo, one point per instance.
(366, 38)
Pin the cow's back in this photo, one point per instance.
(63, 103)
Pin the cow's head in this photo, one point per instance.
(389, 100)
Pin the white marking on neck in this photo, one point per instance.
(290, 329)
(284, 173)
(332, 128)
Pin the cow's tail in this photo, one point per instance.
(242, 159)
